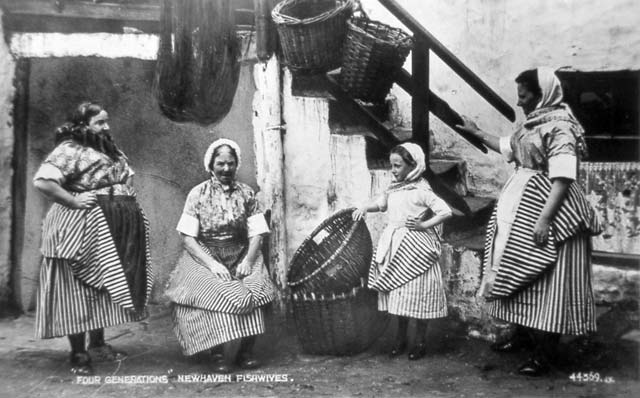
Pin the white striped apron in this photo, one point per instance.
(82, 283)
(549, 287)
(209, 309)
(409, 282)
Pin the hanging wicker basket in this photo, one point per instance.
(373, 54)
(312, 32)
(334, 258)
(338, 324)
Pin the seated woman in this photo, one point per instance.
(220, 284)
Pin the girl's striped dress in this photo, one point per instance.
(405, 269)
(96, 271)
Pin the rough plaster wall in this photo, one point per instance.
(497, 39)
(307, 164)
(7, 70)
(166, 156)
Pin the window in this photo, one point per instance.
(606, 103)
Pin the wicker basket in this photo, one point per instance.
(373, 54)
(338, 324)
(334, 258)
(312, 32)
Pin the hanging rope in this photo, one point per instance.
(197, 69)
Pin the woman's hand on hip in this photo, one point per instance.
(414, 223)
(359, 214)
(541, 231)
(84, 200)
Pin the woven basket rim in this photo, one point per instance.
(283, 19)
(319, 228)
(406, 39)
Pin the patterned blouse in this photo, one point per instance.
(218, 212)
(79, 168)
(551, 145)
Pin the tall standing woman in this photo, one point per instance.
(96, 270)
(537, 264)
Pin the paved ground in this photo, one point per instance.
(456, 366)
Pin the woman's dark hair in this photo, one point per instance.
(77, 130)
(84, 112)
(216, 152)
(404, 154)
(529, 79)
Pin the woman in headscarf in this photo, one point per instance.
(405, 269)
(537, 264)
(221, 283)
(96, 270)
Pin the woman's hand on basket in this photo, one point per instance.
(84, 200)
(359, 214)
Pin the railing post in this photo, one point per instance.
(420, 98)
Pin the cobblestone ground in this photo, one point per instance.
(455, 366)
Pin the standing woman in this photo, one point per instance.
(405, 269)
(96, 270)
(538, 250)
(220, 284)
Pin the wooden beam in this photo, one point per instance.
(440, 108)
(87, 16)
(362, 114)
(19, 190)
(129, 11)
(420, 97)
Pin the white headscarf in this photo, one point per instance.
(418, 156)
(551, 88)
(216, 144)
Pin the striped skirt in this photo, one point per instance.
(209, 309)
(421, 298)
(409, 282)
(68, 306)
(73, 296)
(561, 300)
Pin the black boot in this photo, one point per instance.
(419, 349)
(546, 345)
(80, 359)
(102, 351)
(245, 358)
(521, 339)
(400, 343)
(218, 362)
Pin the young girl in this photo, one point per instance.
(405, 269)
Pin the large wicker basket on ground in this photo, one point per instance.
(373, 54)
(312, 32)
(338, 324)
(334, 258)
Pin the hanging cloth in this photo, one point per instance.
(197, 69)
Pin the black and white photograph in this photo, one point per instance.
(319, 198)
